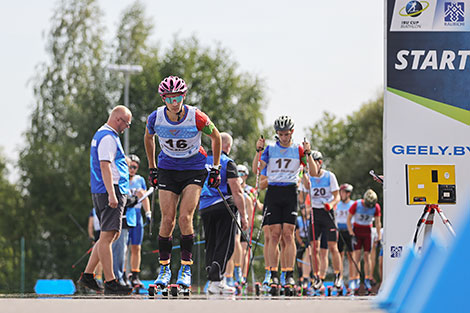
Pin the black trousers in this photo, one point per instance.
(219, 230)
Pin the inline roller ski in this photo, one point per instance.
(266, 282)
(258, 288)
(367, 287)
(353, 287)
(318, 286)
(305, 287)
(282, 282)
(183, 283)
(180, 290)
(274, 287)
(160, 285)
(289, 287)
(337, 285)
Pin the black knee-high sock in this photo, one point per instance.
(165, 245)
(187, 242)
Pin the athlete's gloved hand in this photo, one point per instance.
(131, 201)
(214, 177)
(353, 241)
(260, 144)
(153, 177)
(148, 218)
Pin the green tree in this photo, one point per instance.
(352, 146)
(72, 100)
(12, 227)
(74, 93)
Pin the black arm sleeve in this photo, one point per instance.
(232, 170)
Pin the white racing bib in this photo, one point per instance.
(321, 189)
(284, 164)
(180, 140)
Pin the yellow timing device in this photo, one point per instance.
(430, 184)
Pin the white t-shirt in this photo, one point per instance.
(107, 152)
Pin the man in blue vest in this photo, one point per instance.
(219, 228)
(109, 186)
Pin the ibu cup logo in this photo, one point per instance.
(454, 12)
(414, 8)
(395, 251)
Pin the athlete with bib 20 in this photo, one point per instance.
(181, 171)
(324, 190)
(283, 160)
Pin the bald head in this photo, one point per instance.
(120, 118)
(227, 142)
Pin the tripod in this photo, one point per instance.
(427, 219)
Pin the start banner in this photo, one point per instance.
(426, 116)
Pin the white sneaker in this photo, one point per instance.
(220, 288)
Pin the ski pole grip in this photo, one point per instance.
(259, 150)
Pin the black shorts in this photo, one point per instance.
(344, 236)
(176, 181)
(324, 226)
(110, 218)
(282, 204)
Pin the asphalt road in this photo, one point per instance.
(196, 304)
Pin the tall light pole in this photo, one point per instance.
(127, 70)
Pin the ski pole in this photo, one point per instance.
(78, 225)
(255, 204)
(145, 195)
(257, 240)
(376, 177)
(305, 220)
(306, 232)
(234, 218)
(152, 209)
(152, 205)
(83, 256)
(312, 219)
(346, 245)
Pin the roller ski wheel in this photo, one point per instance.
(137, 288)
(180, 290)
(265, 289)
(274, 290)
(367, 287)
(288, 291)
(322, 291)
(257, 289)
(238, 289)
(151, 291)
(154, 290)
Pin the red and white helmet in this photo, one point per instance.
(172, 84)
(346, 187)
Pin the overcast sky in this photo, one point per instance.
(313, 55)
